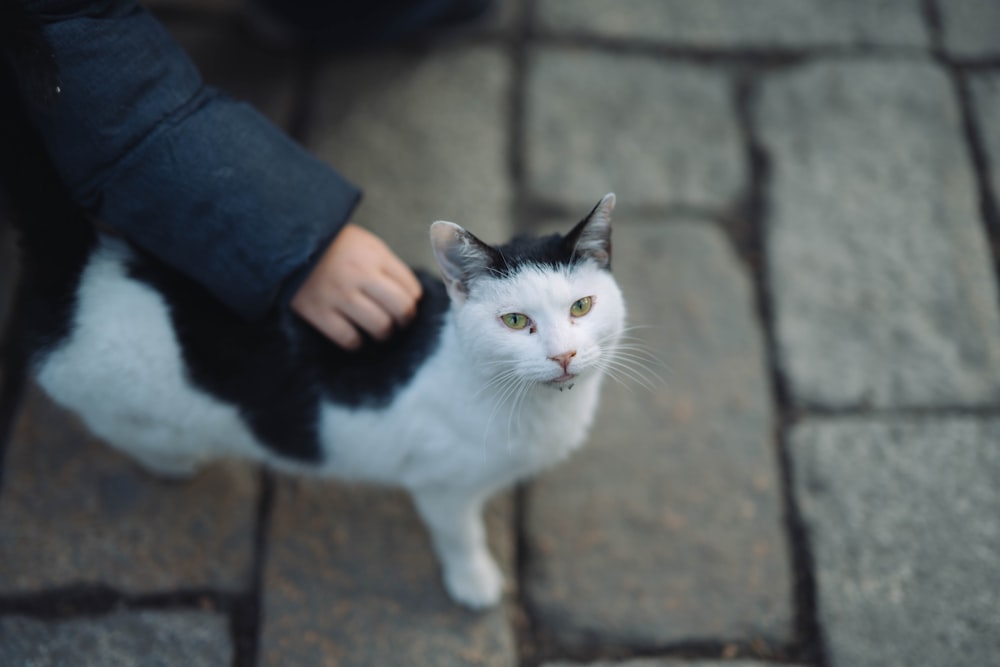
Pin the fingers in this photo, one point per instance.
(340, 330)
(367, 315)
(393, 298)
(404, 277)
(376, 316)
(329, 322)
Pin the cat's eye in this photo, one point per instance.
(515, 321)
(582, 306)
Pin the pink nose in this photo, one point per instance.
(563, 359)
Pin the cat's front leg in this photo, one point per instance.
(454, 519)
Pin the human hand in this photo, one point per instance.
(358, 285)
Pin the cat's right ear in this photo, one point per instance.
(591, 239)
(461, 256)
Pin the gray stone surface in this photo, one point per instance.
(970, 28)
(884, 293)
(229, 59)
(986, 108)
(74, 512)
(653, 662)
(654, 134)
(121, 639)
(424, 133)
(903, 516)
(351, 580)
(763, 24)
(668, 527)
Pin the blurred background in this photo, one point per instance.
(806, 236)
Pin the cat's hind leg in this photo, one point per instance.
(158, 449)
(454, 519)
(160, 464)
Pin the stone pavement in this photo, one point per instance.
(807, 234)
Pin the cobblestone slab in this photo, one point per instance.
(970, 28)
(652, 662)
(764, 24)
(668, 527)
(74, 512)
(904, 521)
(424, 133)
(122, 639)
(882, 283)
(230, 60)
(986, 105)
(655, 134)
(351, 580)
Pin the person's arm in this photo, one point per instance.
(204, 183)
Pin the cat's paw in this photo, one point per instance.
(475, 582)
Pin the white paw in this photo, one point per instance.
(476, 582)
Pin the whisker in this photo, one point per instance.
(523, 388)
(637, 375)
(496, 380)
(636, 327)
(628, 376)
(635, 350)
(642, 360)
(636, 366)
(640, 356)
(507, 388)
(614, 375)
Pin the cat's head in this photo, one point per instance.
(542, 310)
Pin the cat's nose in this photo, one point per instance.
(563, 359)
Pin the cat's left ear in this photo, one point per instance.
(591, 238)
(461, 256)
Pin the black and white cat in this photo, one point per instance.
(497, 377)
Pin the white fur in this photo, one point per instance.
(453, 436)
(121, 371)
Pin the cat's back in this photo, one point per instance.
(116, 362)
(142, 344)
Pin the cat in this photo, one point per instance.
(497, 377)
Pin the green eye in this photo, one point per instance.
(581, 306)
(515, 320)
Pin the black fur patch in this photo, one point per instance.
(555, 251)
(277, 370)
(547, 251)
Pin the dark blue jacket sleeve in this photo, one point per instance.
(205, 183)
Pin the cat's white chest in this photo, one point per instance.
(448, 425)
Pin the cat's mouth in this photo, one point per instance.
(564, 381)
